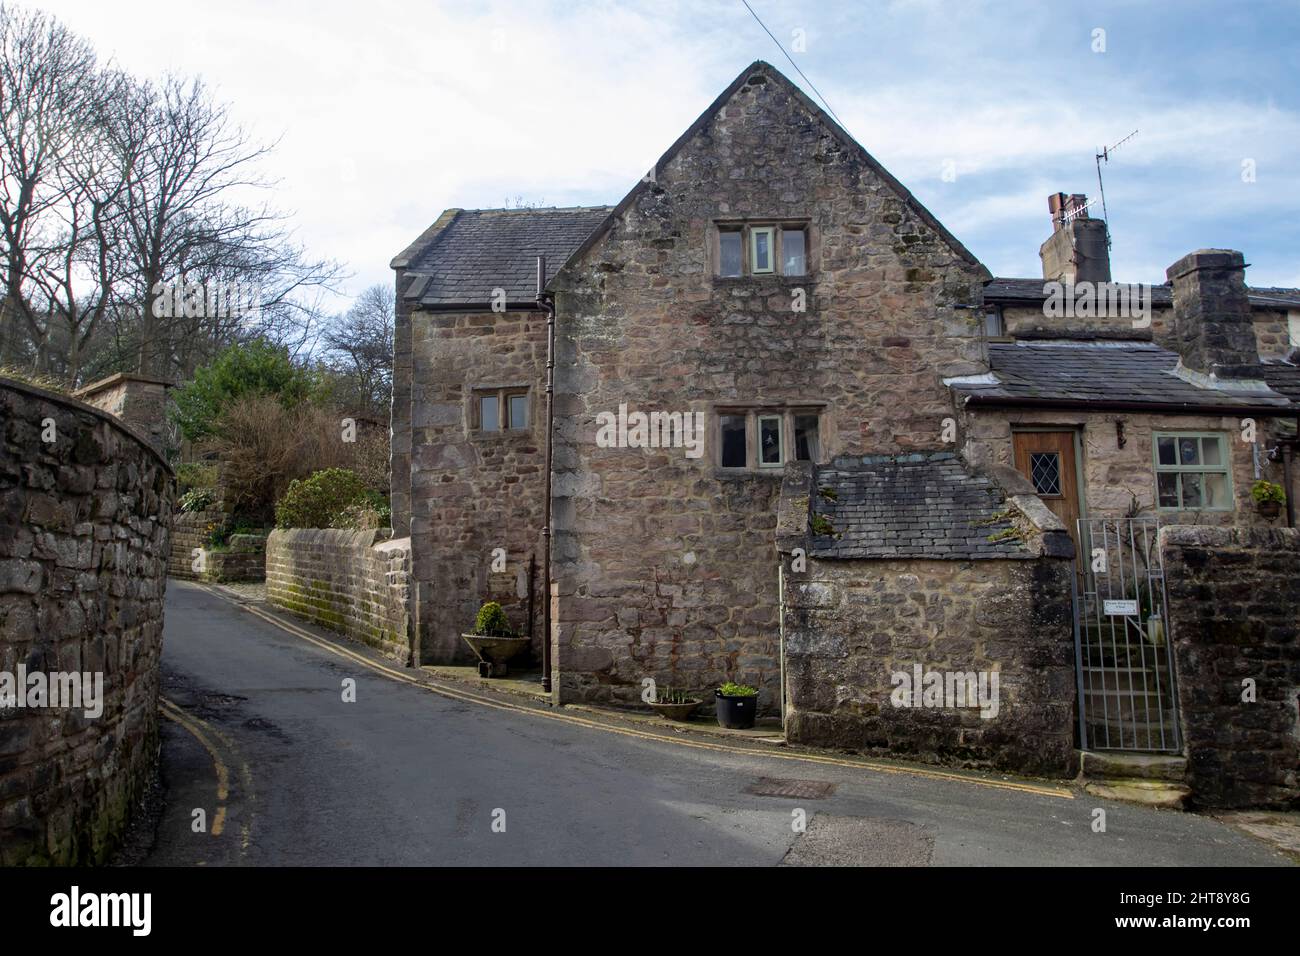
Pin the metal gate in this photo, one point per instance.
(1127, 698)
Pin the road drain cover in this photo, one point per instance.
(799, 789)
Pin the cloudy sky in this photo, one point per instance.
(388, 111)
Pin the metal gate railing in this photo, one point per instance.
(1125, 672)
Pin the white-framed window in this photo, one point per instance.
(1193, 471)
(770, 445)
(762, 243)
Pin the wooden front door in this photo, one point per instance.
(1047, 460)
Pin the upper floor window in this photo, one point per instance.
(762, 249)
(500, 409)
(1192, 472)
(764, 438)
(995, 325)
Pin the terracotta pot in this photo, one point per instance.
(676, 711)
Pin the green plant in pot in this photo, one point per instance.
(673, 703)
(493, 640)
(1269, 498)
(737, 705)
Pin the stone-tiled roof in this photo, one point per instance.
(479, 250)
(1027, 291)
(924, 505)
(1282, 377)
(1126, 373)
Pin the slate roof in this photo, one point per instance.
(1282, 377)
(919, 506)
(1006, 290)
(479, 250)
(1129, 374)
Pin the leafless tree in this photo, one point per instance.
(50, 91)
(182, 221)
(358, 349)
(115, 191)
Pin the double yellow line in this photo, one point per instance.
(1047, 790)
(207, 735)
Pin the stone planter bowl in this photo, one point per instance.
(676, 711)
(495, 651)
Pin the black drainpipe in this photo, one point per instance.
(547, 304)
(1287, 450)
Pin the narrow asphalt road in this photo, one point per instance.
(284, 770)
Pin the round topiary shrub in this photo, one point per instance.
(492, 621)
(319, 500)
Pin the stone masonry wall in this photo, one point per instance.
(1273, 333)
(666, 566)
(354, 582)
(1032, 321)
(1233, 594)
(1113, 475)
(472, 491)
(141, 403)
(851, 625)
(190, 530)
(84, 523)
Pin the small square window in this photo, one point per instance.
(760, 247)
(769, 441)
(794, 252)
(489, 413)
(993, 324)
(730, 253)
(518, 411)
(734, 452)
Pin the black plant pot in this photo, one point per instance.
(736, 713)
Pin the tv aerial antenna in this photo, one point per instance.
(1104, 156)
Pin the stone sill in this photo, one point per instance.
(764, 283)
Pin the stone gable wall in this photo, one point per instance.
(84, 524)
(666, 568)
(354, 582)
(1233, 594)
(400, 419)
(474, 492)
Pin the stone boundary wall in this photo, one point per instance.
(84, 525)
(189, 531)
(851, 625)
(1233, 594)
(355, 582)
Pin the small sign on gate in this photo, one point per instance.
(1120, 608)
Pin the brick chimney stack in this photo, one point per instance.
(1213, 329)
(1077, 250)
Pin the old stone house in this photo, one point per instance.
(803, 438)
